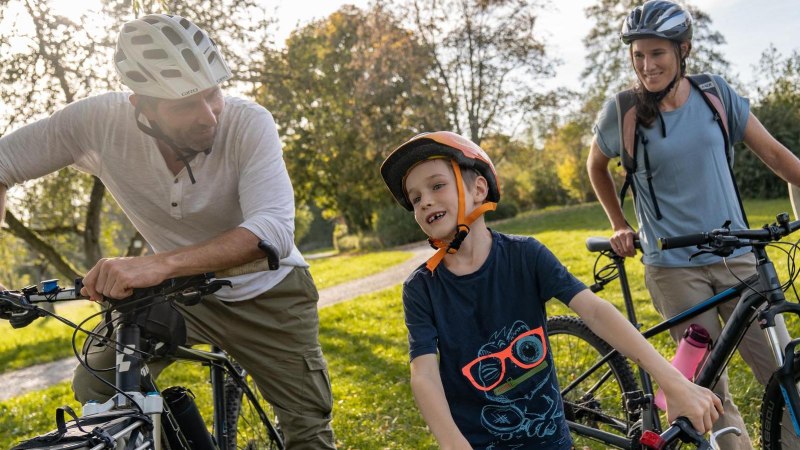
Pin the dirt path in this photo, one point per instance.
(40, 376)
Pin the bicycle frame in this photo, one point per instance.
(137, 390)
(766, 291)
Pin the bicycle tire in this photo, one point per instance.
(774, 415)
(597, 401)
(247, 428)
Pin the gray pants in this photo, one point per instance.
(676, 289)
(275, 337)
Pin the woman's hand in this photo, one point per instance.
(622, 242)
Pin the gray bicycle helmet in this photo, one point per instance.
(169, 57)
(657, 18)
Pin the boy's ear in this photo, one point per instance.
(481, 191)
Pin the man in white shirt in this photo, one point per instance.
(201, 176)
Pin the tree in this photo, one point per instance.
(608, 67)
(352, 87)
(779, 112)
(488, 58)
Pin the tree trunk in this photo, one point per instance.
(91, 234)
(50, 254)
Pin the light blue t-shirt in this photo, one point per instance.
(691, 176)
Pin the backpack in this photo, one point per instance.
(629, 136)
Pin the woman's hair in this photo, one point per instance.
(646, 101)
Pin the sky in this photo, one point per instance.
(749, 27)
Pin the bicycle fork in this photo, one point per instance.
(784, 354)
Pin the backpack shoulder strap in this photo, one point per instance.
(626, 124)
(711, 95)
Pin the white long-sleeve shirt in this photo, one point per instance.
(242, 182)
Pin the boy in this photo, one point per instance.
(479, 304)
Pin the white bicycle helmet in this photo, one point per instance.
(169, 57)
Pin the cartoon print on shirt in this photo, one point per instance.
(511, 369)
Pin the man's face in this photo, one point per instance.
(190, 122)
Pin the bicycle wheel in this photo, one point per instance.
(248, 415)
(777, 431)
(596, 401)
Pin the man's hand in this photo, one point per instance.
(622, 242)
(116, 278)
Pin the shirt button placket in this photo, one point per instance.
(175, 199)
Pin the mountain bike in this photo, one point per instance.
(603, 400)
(140, 416)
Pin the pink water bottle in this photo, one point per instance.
(692, 350)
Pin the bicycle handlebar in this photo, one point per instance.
(724, 238)
(19, 307)
(680, 430)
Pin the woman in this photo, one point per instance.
(678, 163)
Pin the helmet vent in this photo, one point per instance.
(186, 24)
(172, 36)
(198, 36)
(211, 57)
(150, 20)
(120, 56)
(136, 76)
(154, 54)
(142, 39)
(171, 73)
(190, 59)
(128, 28)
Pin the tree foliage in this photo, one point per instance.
(352, 87)
(779, 112)
(488, 57)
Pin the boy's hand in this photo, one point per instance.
(698, 404)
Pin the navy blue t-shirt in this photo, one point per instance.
(488, 328)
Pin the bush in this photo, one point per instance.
(396, 226)
(505, 210)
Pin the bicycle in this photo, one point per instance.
(140, 416)
(604, 401)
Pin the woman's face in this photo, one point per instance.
(655, 62)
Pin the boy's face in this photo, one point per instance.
(431, 189)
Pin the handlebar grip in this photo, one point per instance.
(686, 240)
(271, 262)
(680, 430)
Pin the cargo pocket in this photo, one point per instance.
(318, 381)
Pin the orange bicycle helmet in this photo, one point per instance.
(431, 145)
(462, 153)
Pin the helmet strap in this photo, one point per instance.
(184, 155)
(462, 227)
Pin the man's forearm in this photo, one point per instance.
(230, 249)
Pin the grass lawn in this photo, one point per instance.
(49, 340)
(365, 343)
